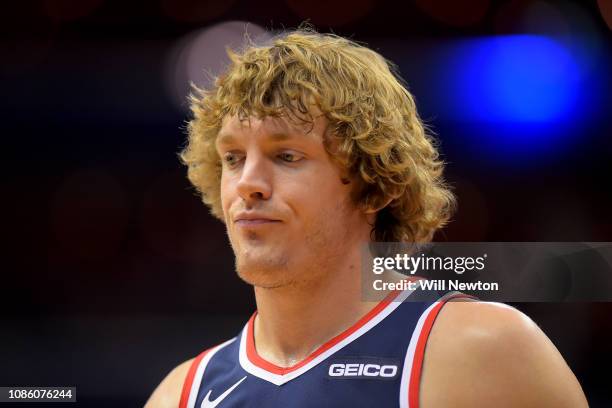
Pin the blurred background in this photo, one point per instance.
(114, 272)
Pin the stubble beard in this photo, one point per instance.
(277, 270)
(267, 272)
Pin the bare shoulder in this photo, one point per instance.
(490, 354)
(168, 392)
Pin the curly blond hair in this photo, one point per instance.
(372, 116)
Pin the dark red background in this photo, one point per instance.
(114, 272)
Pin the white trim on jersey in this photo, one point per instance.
(197, 379)
(409, 360)
(279, 379)
(404, 398)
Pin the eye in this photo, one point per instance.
(289, 157)
(231, 159)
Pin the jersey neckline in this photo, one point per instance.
(253, 363)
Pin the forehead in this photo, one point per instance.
(274, 128)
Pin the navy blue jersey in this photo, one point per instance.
(375, 363)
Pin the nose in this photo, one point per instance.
(255, 181)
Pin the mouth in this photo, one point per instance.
(247, 222)
(254, 220)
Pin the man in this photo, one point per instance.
(307, 149)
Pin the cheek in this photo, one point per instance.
(225, 195)
(324, 202)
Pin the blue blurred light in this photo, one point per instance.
(516, 79)
(511, 99)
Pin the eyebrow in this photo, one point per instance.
(227, 138)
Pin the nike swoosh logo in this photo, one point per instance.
(207, 403)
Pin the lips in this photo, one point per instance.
(251, 219)
(255, 222)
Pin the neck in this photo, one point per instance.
(293, 321)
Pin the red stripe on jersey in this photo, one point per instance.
(189, 379)
(256, 359)
(419, 352)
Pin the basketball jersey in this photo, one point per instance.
(375, 363)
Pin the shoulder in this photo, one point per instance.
(490, 354)
(168, 392)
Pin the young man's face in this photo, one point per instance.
(286, 208)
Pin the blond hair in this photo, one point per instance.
(380, 139)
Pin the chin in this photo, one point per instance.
(264, 271)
